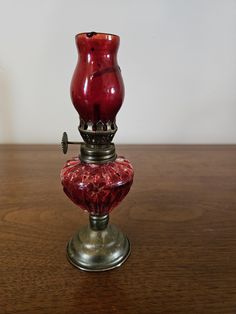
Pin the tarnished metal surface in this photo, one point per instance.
(99, 246)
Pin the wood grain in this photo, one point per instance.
(180, 217)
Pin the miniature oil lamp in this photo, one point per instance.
(97, 180)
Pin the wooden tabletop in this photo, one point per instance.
(180, 217)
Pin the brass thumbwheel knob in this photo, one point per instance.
(65, 142)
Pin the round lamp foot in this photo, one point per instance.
(98, 250)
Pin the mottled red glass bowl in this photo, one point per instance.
(97, 89)
(97, 188)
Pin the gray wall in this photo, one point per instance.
(178, 60)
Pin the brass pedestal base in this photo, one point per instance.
(98, 247)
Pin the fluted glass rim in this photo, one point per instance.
(99, 35)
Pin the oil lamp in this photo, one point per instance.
(97, 180)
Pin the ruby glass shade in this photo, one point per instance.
(97, 88)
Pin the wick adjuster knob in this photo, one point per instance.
(65, 142)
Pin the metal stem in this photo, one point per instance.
(98, 222)
(79, 143)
